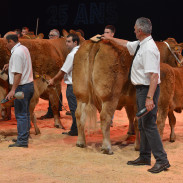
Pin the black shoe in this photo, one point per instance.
(158, 167)
(138, 162)
(68, 113)
(14, 140)
(17, 145)
(70, 133)
(46, 116)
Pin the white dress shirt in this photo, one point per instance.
(20, 62)
(68, 65)
(146, 61)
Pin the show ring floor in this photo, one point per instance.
(54, 158)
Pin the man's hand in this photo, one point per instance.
(105, 36)
(6, 66)
(10, 95)
(149, 104)
(51, 82)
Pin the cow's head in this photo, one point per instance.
(176, 49)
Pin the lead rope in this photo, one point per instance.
(172, 52)
(43, 78)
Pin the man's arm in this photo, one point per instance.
(58, 77)
(121, 42)
(153, 84)
(17, 78)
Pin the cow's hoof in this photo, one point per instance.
(81, 145)
(59, 126)
(107, 151)
(137, 148)
(37, 132)
(172, 140)
(131, 133)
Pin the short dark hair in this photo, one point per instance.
(74, 37)
(18, 31)
(111, 27)
(25, 28)
(13, 37)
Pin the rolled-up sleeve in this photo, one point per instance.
(132, 46)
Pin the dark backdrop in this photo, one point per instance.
(92, 15)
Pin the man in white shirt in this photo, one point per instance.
(145, 75)
(21, 79)
(72, 43)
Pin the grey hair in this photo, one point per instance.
(144, 24)
(56, 32)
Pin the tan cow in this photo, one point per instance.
(100, 81)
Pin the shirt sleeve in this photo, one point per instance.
(132, 46)
(151, 62)
(17, 64)
(68, 64)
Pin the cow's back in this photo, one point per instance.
(98, 71)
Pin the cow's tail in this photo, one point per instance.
(91, 118)
(91, 109)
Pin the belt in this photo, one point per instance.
(143, 86)
(69, 85)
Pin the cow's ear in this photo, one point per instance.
(65, 33)
(181, 45)
(72, 31)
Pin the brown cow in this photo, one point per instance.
(105, 66)
(47, 58)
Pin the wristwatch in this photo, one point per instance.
(149, 97)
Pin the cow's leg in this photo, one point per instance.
(33, 103)
(172, 122)
(137, 134)
(105, 118)
(131, 115)
(161, 118)
(81, 119)
(54, 100)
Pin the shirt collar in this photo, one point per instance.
(13, 49)
(76, 47)
(145, 40)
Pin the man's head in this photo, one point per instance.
(25, 31)
(109, 30)
(11, 40)
(54, 33)
(143, 28)
(72, 41)
(18, 32)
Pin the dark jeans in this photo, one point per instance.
(50, 112)
(71, 98)
(22, 113)
(149, 136)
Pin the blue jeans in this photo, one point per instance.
(22, 113)
(71, 98)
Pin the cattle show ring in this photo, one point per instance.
(100, 153)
